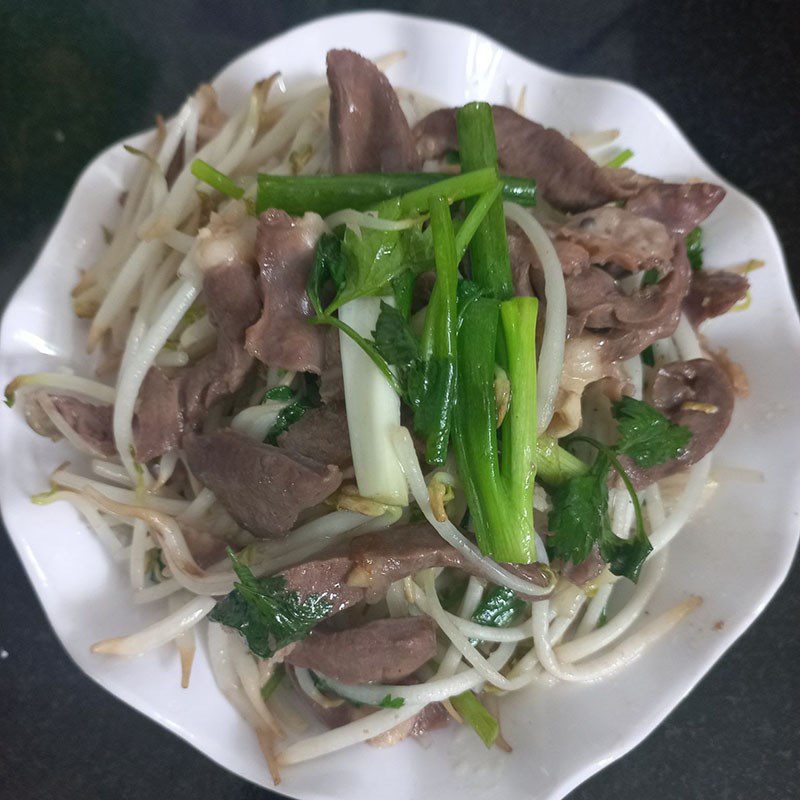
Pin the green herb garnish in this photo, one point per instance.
(694, 248)
(286, 417)
(392, 702)
(328, 266)
(267, 613)
(645, 434)
(282, 393)
(579, 517)
(476, 715)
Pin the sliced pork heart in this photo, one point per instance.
(283, 337)
(565, 176)
(431, 717)
(712, 292)
(382, 651)
(90, 422)
(262, 487)
(170, 406)
(680, 207)
(322, 434)
(588, 569)
(364, 568)
(623, 325)
(369, 131)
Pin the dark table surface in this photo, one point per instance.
(75, 77)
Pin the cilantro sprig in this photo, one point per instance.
(329, 268)
(281, 393)
(646, 435)
(294, 410)
(286, 417)
(579, 518)
(267, 613)
(392, 702)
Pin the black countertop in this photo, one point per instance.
(77, 76)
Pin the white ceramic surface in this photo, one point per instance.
(735, 553)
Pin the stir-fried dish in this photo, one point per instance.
(393, 400)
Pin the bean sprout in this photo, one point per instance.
(404, 447)
(167, 629)
(551, 360)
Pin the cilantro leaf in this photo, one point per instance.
(579, 519)
(328, 266)
(625, 556)
(392, 702)
(266, 612)
(286, 417)
(403, 288)
(427, 385)
(393, 337)
(694, 248)
(399, 345)
(579, 516)
(645, 434)
(373, 259)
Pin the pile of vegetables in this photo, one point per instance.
(464, 366)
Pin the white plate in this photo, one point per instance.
(735, 553)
